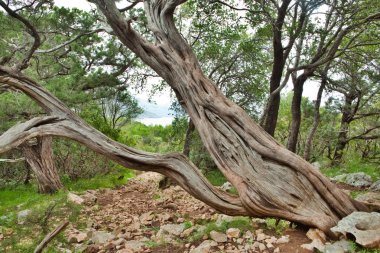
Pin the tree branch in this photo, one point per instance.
(32, 31)
(68, 42)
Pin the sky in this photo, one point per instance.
(159, 112)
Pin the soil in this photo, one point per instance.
(119, 208)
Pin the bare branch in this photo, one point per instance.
(129, 7)
(69, 41)
(31, 30)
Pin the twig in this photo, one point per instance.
(50, 236)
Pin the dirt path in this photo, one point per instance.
(140, 217)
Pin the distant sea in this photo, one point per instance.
(164, 121)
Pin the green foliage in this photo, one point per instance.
(353, 165)
(215, 177)
(277, 225)
(117, 177)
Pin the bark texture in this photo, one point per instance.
(271, 181)
(39, 155)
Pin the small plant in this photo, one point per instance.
(277, 225)
(188, 224)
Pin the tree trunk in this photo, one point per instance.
(343, 131)
(271, 181)
(296, 111)
(188, 138)
(273, 104)
(39, 156)
(317, 118)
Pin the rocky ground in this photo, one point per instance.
(140, 217)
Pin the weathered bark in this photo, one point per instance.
(343, 131)
(39, 155)
(271, 181)
(317, 119)
(188, 138)
(64, 123)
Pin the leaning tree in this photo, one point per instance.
(271, 181)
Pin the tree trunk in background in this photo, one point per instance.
(188, 138)
(296, 111)
(317, 118)
(270, 119)
(28, 173)
(39, 156)
(343, 131)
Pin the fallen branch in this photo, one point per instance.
(50, 236)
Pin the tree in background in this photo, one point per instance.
(67, 61)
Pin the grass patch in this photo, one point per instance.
(353, 166)
(215, 177)
(24, 238)
(277, 225)
(115, 179)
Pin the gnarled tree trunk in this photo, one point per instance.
(39, 155)
(271, 181)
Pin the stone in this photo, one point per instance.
(101, 237)
(262, 246)
(133, 245)
(375, 186)
(315, 233)
(204, 247)
(89, 198)
(146, 218)
(119, 241)
(22, 216)
(261, 237)
(340, 178)
(169, 231)
(223, 218)
(276, 250)
(316, 165)
(248, 235)
(359, 179)
(233, 232)
(173, 229)
(342, 246)
(226, 186)
(315, 244)
(218, 237)
(77, 237)
(283, 239)
(371, 199)
(187, 232)
(365, 227)
(75, 198)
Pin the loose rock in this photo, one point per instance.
(218, 237)
(359, 179)
(233, 232)
(364, 226)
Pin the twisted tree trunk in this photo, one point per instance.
(271, 181)
(39, 156)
